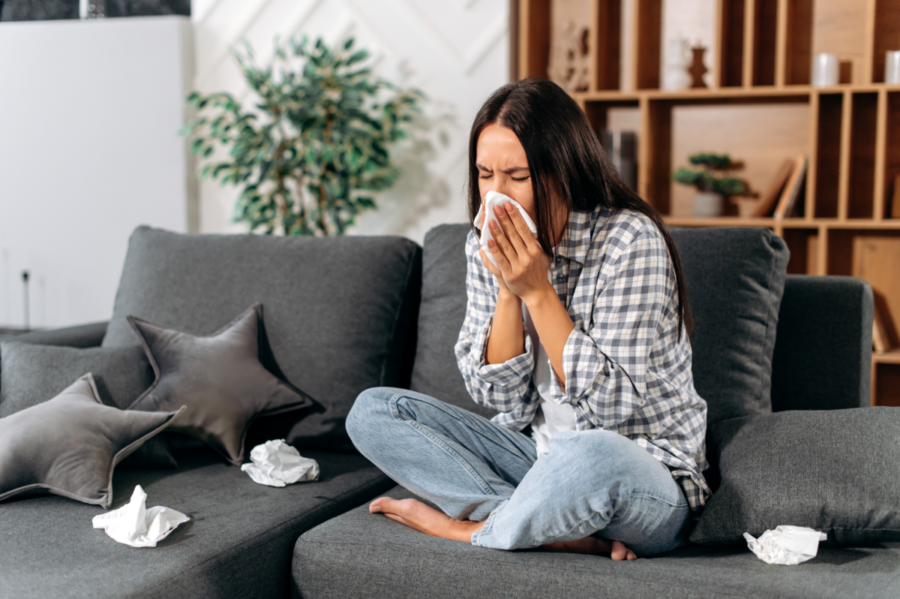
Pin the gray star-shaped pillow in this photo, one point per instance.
(71, 444)
(219, 378)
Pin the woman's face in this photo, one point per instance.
(503, 166)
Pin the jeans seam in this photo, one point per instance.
(488, 524)
(655, 498)
(448, 450)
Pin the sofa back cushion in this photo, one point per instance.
(340, 313)
(734, 278)
(441, 315)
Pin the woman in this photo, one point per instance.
(577, 336)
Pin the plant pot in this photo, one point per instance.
(707, 203)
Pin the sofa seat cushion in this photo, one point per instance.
(237, 543)
(339, 313)
(364, 555)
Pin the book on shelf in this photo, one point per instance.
(766, 203)
(895, 201)
(880, 341)
(791, 190)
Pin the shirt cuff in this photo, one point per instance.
(578, 345)
(506, 373)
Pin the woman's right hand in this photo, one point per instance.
(505, 293)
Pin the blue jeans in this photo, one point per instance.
(591, 483)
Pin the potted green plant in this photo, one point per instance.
(712, 188)
(314, 144)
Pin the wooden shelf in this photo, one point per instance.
(761, 109)
(890, 357)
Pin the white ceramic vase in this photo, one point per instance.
(707, 203)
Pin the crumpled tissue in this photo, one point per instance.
(487, 207)
(133, 524)
(275, 463)
(786, 545)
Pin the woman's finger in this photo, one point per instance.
(509, 228)
(515, 217)
(491, 266)
(503, 263)
(501, 241)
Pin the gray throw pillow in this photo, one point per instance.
(340, 312)
(837, 471)
(219, 378)
(71, 444)
(32, 374)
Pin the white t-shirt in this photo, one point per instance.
(551, 419)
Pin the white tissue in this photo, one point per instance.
(134, 525)
(275, 463)
(786, 545)
(487, 207)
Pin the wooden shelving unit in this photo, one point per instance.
(761, 109)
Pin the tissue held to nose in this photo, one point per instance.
(134, 525)
(491, 199)
(276, 464)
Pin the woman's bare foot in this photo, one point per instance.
(594, 546)
(424, 518)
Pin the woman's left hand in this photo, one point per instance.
(520, 258)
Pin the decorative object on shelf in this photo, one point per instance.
(675, 71)
(621, 147)
(791, 189)
(825, 69)
(698, 67)
(767, 201)
(711, 188)
(91, 10)
(569, 65)
(892, 67)
(313, 143)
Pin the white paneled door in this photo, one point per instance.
(456, 51)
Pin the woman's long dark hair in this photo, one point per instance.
(563, 151)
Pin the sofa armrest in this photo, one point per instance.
(823, 344)
(86, 335)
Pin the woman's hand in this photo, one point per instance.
(521, 262)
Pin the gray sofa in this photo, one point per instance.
(344, 315)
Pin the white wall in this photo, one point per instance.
(456, 51)
(88, 150)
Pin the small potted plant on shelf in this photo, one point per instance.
(313, 145)
(712, 188)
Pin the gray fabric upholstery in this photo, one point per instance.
(339, 312)
(735, 280)
(219, 378)
(86, 335)
(823, 352)
(35, 373)
(441, 315)
(70, 444)
(364, 555)
(237, 545)
(834, 471)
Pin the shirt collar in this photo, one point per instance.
(575, 243)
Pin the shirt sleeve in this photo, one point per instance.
(606, 365)
(502, 387)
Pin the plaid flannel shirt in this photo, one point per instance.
(626, 369)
